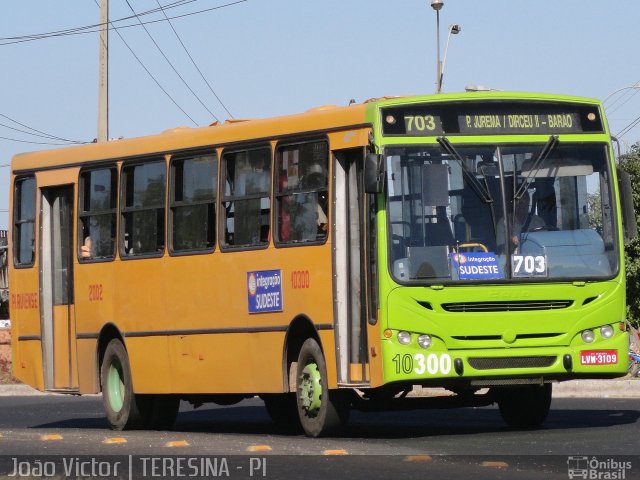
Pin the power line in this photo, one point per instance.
(39, 132)
(171, 64)
(611, 109)
(29, 133)
(192, 60)
(628, 128)
(28, 141)
(149, 73)
(38, 36)
(96, 27)
(630, 95)
(630, 92)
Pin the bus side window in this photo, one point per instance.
(302, 192)
(193, 196)
(246, 199)
(24, 218)
(143, 208)
(97, 214)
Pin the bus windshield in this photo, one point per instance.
(486, 213)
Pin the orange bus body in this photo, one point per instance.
(183, 319)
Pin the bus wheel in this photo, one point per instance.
(319, 410)
(120, 403)
(525, 407)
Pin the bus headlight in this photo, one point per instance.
(606, 331)
(404, 338)
(424, 341)
(588, 336)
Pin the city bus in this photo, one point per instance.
(342, 258)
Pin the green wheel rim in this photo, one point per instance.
(115, 387)
(310, 390)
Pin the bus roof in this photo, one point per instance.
(320, 119)
(486, 95)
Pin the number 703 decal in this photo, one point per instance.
(419, 363)
(529, 265)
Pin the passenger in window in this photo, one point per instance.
(287, 205)
(322, 214)
(311, 220)
(306, 222)
(86, 250)
(522, 221)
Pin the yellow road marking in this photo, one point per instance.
(418, 458)
(335, 452)
(112, 440)
(259, 448)
(495, 464)
(53, 436)
(177, 443)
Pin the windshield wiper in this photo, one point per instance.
(551, 144)
(480, 189)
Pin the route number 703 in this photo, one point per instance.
(529, 265)
(420, 123)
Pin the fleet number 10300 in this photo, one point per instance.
(432, 364)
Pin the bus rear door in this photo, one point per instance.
(56, 288)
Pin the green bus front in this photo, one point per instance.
(499, 242)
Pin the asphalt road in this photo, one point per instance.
(456, 443)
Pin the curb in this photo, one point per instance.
(619, 388)
(19, 390)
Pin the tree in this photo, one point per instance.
(630, 163)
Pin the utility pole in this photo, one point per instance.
(103, 75)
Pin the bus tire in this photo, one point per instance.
(319, 410)
(119, 401)
(525, 407)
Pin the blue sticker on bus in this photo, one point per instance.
(264, 291)
(476, 266)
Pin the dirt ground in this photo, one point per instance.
(5, 357)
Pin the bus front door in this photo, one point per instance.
(56, 289)
(349, 268)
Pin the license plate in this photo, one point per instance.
(598, 357)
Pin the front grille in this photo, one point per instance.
(522, 336)
(508, 306)
(511, 362)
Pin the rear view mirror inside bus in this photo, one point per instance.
(373, 173)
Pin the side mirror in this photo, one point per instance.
(629, 224)
(373, 173)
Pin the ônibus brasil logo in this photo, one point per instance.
(595, 468)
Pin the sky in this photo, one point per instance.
(267, 58)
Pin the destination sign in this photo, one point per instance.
(490, 118)
(479, 123)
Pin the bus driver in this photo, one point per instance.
(522, 221)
